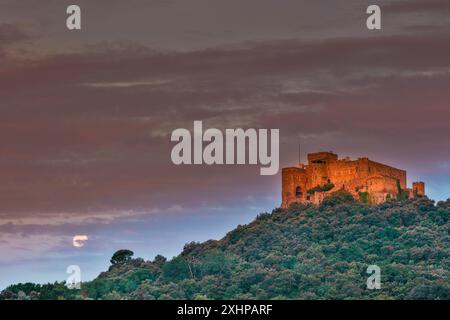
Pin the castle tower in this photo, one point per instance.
(293, 185)
(419, 188)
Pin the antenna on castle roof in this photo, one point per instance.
(299, 154)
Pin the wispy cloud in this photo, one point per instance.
(126, 84)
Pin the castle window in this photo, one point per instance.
(308, 198)
(298, 192)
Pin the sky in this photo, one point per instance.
(86, 116)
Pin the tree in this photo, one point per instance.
(159, 260)
(121, 256)
(176, 269)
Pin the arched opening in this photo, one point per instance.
(298, 192)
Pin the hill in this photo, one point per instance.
(303, 252)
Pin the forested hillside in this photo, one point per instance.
(304, 252)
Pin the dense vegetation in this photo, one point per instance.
(324, 188)
(304, 252)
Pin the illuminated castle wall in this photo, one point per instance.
(366, 180)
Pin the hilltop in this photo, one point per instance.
(306, 251)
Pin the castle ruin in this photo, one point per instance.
(368, 181)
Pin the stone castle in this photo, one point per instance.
(367, 180)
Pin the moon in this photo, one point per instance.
(78, 240)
